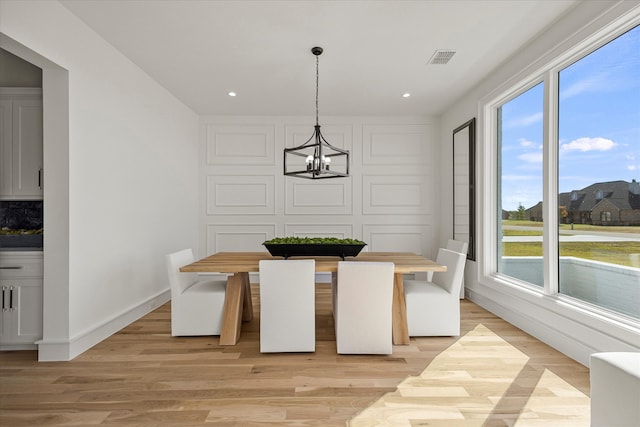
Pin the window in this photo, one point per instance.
(581, 142)
(520, 186)
(599, 154)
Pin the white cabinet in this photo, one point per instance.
(21, 143)
(21, 285)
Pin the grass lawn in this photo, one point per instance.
(612, 252)
(578, 227)
(522, 232)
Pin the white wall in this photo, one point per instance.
(389, 201)
(124, 191)
(572, 328)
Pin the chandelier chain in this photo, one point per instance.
(317, 78)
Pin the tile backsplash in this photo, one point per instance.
(21, 214)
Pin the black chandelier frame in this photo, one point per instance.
(321, 159)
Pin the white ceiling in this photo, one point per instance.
(374, 51)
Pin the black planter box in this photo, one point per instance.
(314, 249)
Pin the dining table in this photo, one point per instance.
(237, 265)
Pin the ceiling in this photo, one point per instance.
(374, 51)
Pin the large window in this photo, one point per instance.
(520, 186)
(599, 160)
(575, 135)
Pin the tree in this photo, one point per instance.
(521, 213)
(563, 213)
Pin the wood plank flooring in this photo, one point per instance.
(492, 375)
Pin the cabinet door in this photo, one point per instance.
(5, 320)
(22, 311)
(6, 147)
(28, 314)
(27, 147)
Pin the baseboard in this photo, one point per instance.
(15, 347)
(556, 326)
(65, 350)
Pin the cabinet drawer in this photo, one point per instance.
(20, 266)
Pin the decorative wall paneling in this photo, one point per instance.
(388, 201)
(240, 195)
(240, 144)
(399, 237)
(326, 197)
(392, 195)
(395, 144)
(238, 237)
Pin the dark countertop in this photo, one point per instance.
(21, 249)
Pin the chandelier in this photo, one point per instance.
(316, 158)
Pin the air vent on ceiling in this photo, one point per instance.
(442, 56)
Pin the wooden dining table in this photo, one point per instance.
(238, 306)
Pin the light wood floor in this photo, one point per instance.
(492, 375)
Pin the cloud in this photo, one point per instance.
(531, 157)
(591, 84)
(535, 178)
(588, 144)
(632, 166)
(526, 143)
(525, 120)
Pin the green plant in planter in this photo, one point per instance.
(312, 240)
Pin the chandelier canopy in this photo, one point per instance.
(316, 158)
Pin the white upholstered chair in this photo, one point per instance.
(287, 306)
(196, 304)
(456, 246)
(363, 297)
(433, 307)
(615, 389)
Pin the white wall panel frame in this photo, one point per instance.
(238, 237)
(240, 195)
(392, 195)
(327, 196)
(240, 144)
(395, 144)
(403, 238)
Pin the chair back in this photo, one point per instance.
(462, 247)
(450, 280)
(287, 305)
(180, 281)
(363, 312)
(458, 246)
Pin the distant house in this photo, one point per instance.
(603, 203)
(534, 213)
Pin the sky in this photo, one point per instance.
(599, 125)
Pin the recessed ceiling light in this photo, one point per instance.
(406, 95)
(232, 94)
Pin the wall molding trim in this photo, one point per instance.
(60, 350)
(387, 201)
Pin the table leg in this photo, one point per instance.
(233, 307)
(400, 328)
(247, 305)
